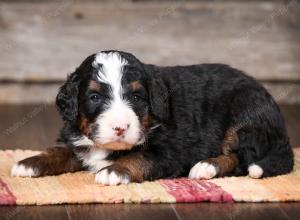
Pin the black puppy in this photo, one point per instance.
(129, 122)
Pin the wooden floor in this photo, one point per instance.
(35, 127)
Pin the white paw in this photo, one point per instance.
(23, 171)
(255, 171)
(112, 178)
(203, 170)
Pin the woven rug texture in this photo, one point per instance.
(81, 188)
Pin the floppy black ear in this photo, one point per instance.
(158, 96)
(67, 98)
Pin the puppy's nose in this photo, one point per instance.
(120, 130)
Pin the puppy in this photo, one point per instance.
(129, 122)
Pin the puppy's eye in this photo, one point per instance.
(137, 97)
(95, 98)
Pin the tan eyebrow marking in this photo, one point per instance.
(94, 86)
(136, 85)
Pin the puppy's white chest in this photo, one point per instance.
(95, 159)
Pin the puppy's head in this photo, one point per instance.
(111, 101)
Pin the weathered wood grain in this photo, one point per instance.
(48, 40)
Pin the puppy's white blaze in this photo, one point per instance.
(94, 159)
(255, 171)
(111, 72)
(22, 171)
(119, 113)
(82, 141)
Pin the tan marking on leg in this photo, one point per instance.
(136, 165)
(230, 140)
(53, 161)
(224, 163)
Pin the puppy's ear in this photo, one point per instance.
(67, 98)
(158, 96)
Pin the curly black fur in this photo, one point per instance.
(192, 109)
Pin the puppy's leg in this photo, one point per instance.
(137, 167)
(212, 167)
(222, 165)
(53, 161)
(130, 168)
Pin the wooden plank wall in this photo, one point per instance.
(41, 42)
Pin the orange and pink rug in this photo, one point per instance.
(80, 188)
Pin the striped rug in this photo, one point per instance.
(81, 188)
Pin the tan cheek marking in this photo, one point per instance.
(136, 85)
(137, 165)
(231, 139)
(146, 122)
(84, 126)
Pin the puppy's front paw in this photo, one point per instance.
(112, 176)
(22, 170)
(203, 170)
(29, 167)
